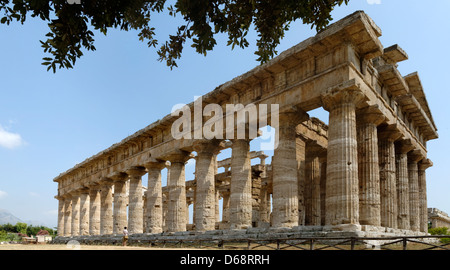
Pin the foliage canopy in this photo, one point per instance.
(70, 32)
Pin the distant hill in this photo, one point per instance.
(6, 217)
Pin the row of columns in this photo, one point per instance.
(369, 178)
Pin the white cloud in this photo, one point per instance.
(51, 213)
(3, 194)
(374, 2)
(10, 140)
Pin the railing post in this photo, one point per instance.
(311, 242)
(352, 243)
(404, 243)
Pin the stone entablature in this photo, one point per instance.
(366, 168)
(438, 218)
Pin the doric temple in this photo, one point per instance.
(363, 171)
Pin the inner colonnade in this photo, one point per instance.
(365, 169)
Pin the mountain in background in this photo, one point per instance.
(6, 217)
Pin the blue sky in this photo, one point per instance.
(50, 122)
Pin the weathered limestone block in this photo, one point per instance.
(368, 120)
(94, 210)
(284, 167)
(154, 197)
(205, 168)
(241, 185)
(301, 159)
(402, 149)
(342, 202)
(84, 211)
(388, 181)
(120, 202)
(136, 204)
(106, 206)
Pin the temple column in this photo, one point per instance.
(241, 185)
(323, 188)
(75, 213)
(120, 202)
(342, 201)
(205, 201)
(284, 167)
(67, 215)
(312, 184)
(106, 206)
(300, 149)
(94, 210)
(84, 211)
(368, 119)
(176, 183)
(423, 165)
(61, 212)
(401, 151)
(388, 181)
(226, 207)
(263, 206)
(414, 197)
(135, 205)
(154, 197)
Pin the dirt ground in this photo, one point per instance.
(81, 247)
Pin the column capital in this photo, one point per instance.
(415, 156)
(425, 164)
(178, 156)
(313, 148)
(347, 92)
(151, 163)
(136, 171)
(208, 146)
(370, 114)
(106, 181)
(404, 146)
(293, 116)
(118, 176)
(389, 132)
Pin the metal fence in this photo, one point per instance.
(433, 242)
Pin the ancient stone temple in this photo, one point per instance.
(364, 173)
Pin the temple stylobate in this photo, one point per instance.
(363, 173)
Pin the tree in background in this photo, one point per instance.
(70, 24)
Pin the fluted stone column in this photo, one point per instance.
(368, 119)
(301, 160)
(226, 207)
(75, 213)
(106, 206)
(423, 165)
(94, 210)
(120, 202)
(284, 167)
(312, 184)
(401, 151)
(264, 205)
(323, 188)
(154, 197)
(342, 201)
(176, 183)
(388, 180)
(84, 211)
(414, 195)
(241, 185)
(67, 215)
(205, 202)
(136, 204)
(61, 212)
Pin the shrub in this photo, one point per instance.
(440, 231)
